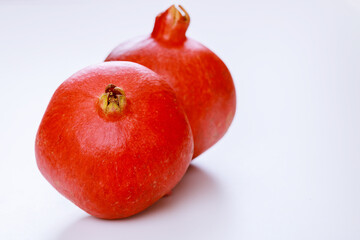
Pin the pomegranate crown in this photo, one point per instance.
(171, 25)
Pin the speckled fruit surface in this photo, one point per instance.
(200, 79)
(114, 139)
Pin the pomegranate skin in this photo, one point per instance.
(114, 165)
(200, 79)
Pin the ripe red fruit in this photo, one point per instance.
(113, 139)
(200, 79)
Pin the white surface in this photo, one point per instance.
(287, 169)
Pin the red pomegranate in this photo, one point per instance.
(200, 79)
(114, 139)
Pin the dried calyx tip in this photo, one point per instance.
(177, 11)
(113, 100)
(171, 25)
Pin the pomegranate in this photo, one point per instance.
(200, 79)
(114, 139)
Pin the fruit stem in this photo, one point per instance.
(113, 101)
(171, 25)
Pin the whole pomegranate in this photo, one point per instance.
(113, 139)
(200, 79)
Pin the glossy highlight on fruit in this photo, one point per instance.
(114, 139)
(200, 79)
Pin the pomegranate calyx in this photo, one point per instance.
(171, 25)
(113, 101)
(179, 14)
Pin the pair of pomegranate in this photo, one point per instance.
(118, 136)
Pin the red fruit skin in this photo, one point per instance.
(200, 79)
(114, 167)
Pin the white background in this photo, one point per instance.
(288, 168)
